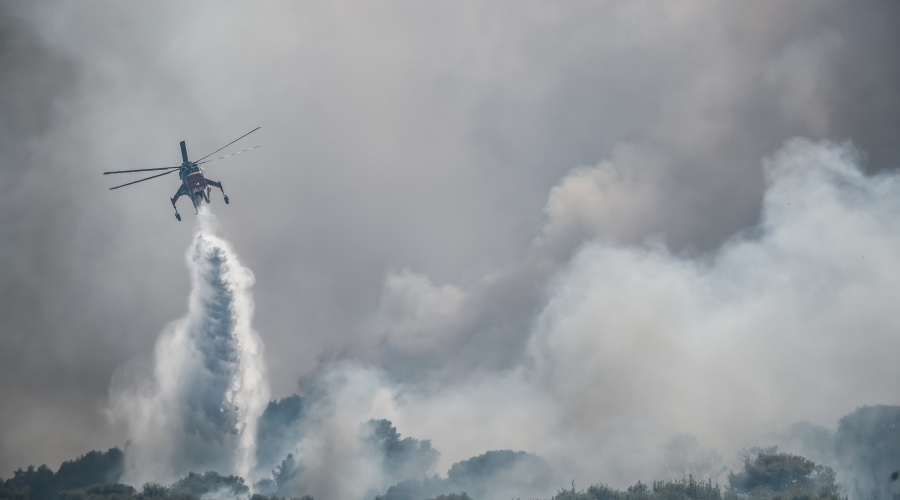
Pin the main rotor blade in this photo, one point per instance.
(144, 179)
(139, 170)
(229, 144)
(226, 156)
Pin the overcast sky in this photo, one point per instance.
(441, 189)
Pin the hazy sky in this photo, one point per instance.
(537, 204)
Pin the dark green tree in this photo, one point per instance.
(402, 458)
(769, 475)
(776, 471)
(104, 491)
(867, 445)
(198, 485)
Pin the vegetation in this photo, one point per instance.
(769, 475)
(866, 447)
(278, 428)
(685, 489)
(401, 457)
(492, 472)
(43, 484)
(213, 484)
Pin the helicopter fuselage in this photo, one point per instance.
(194, 183)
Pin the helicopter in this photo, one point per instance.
(194, 184)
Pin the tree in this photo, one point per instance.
(198, 485)
(867, 445)
(768, 475)
(775, 471)
(402, 458)
(104, 491)
(89, 469)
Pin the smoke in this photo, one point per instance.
(197, 406)
(627, 346)
(790, 320)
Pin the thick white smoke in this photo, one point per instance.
(793, 320)
(198, 407)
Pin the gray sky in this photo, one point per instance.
(427, 177)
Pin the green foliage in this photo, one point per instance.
(602, 492)
(415, 489)
(211, 482)
(637, 491)
(685, 489)
(774, 471)
(38, 483)
(571, 495)
(285, 472)
(402, 458)
(769, 475)
(92, 468)
(453, 496)
(280, 425)
(257, 496)
(265, 487)
(104, 491)
(86, 470)
(867, 444)
(9, 492)
(154, 490)
(486, 465)
(796, 493)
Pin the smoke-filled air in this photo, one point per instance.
(581, 250)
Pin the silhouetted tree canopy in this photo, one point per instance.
(402, 458)
(104, 491)
(278, 429)
(867, 445)
(685, 489)
(89, 469)
(211, 482)
(453, 496)
(776, 471)
(769, 475)
(493, 471)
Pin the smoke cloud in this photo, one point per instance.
(405, 267)
(634, 344)
(625, 347)
(198, 406)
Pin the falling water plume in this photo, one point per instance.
(198, 409)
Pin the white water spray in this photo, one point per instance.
(198, 410)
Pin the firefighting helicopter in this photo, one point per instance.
(194, 184)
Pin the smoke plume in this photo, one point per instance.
(197, 407)
(793, 319)
(627, 346)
